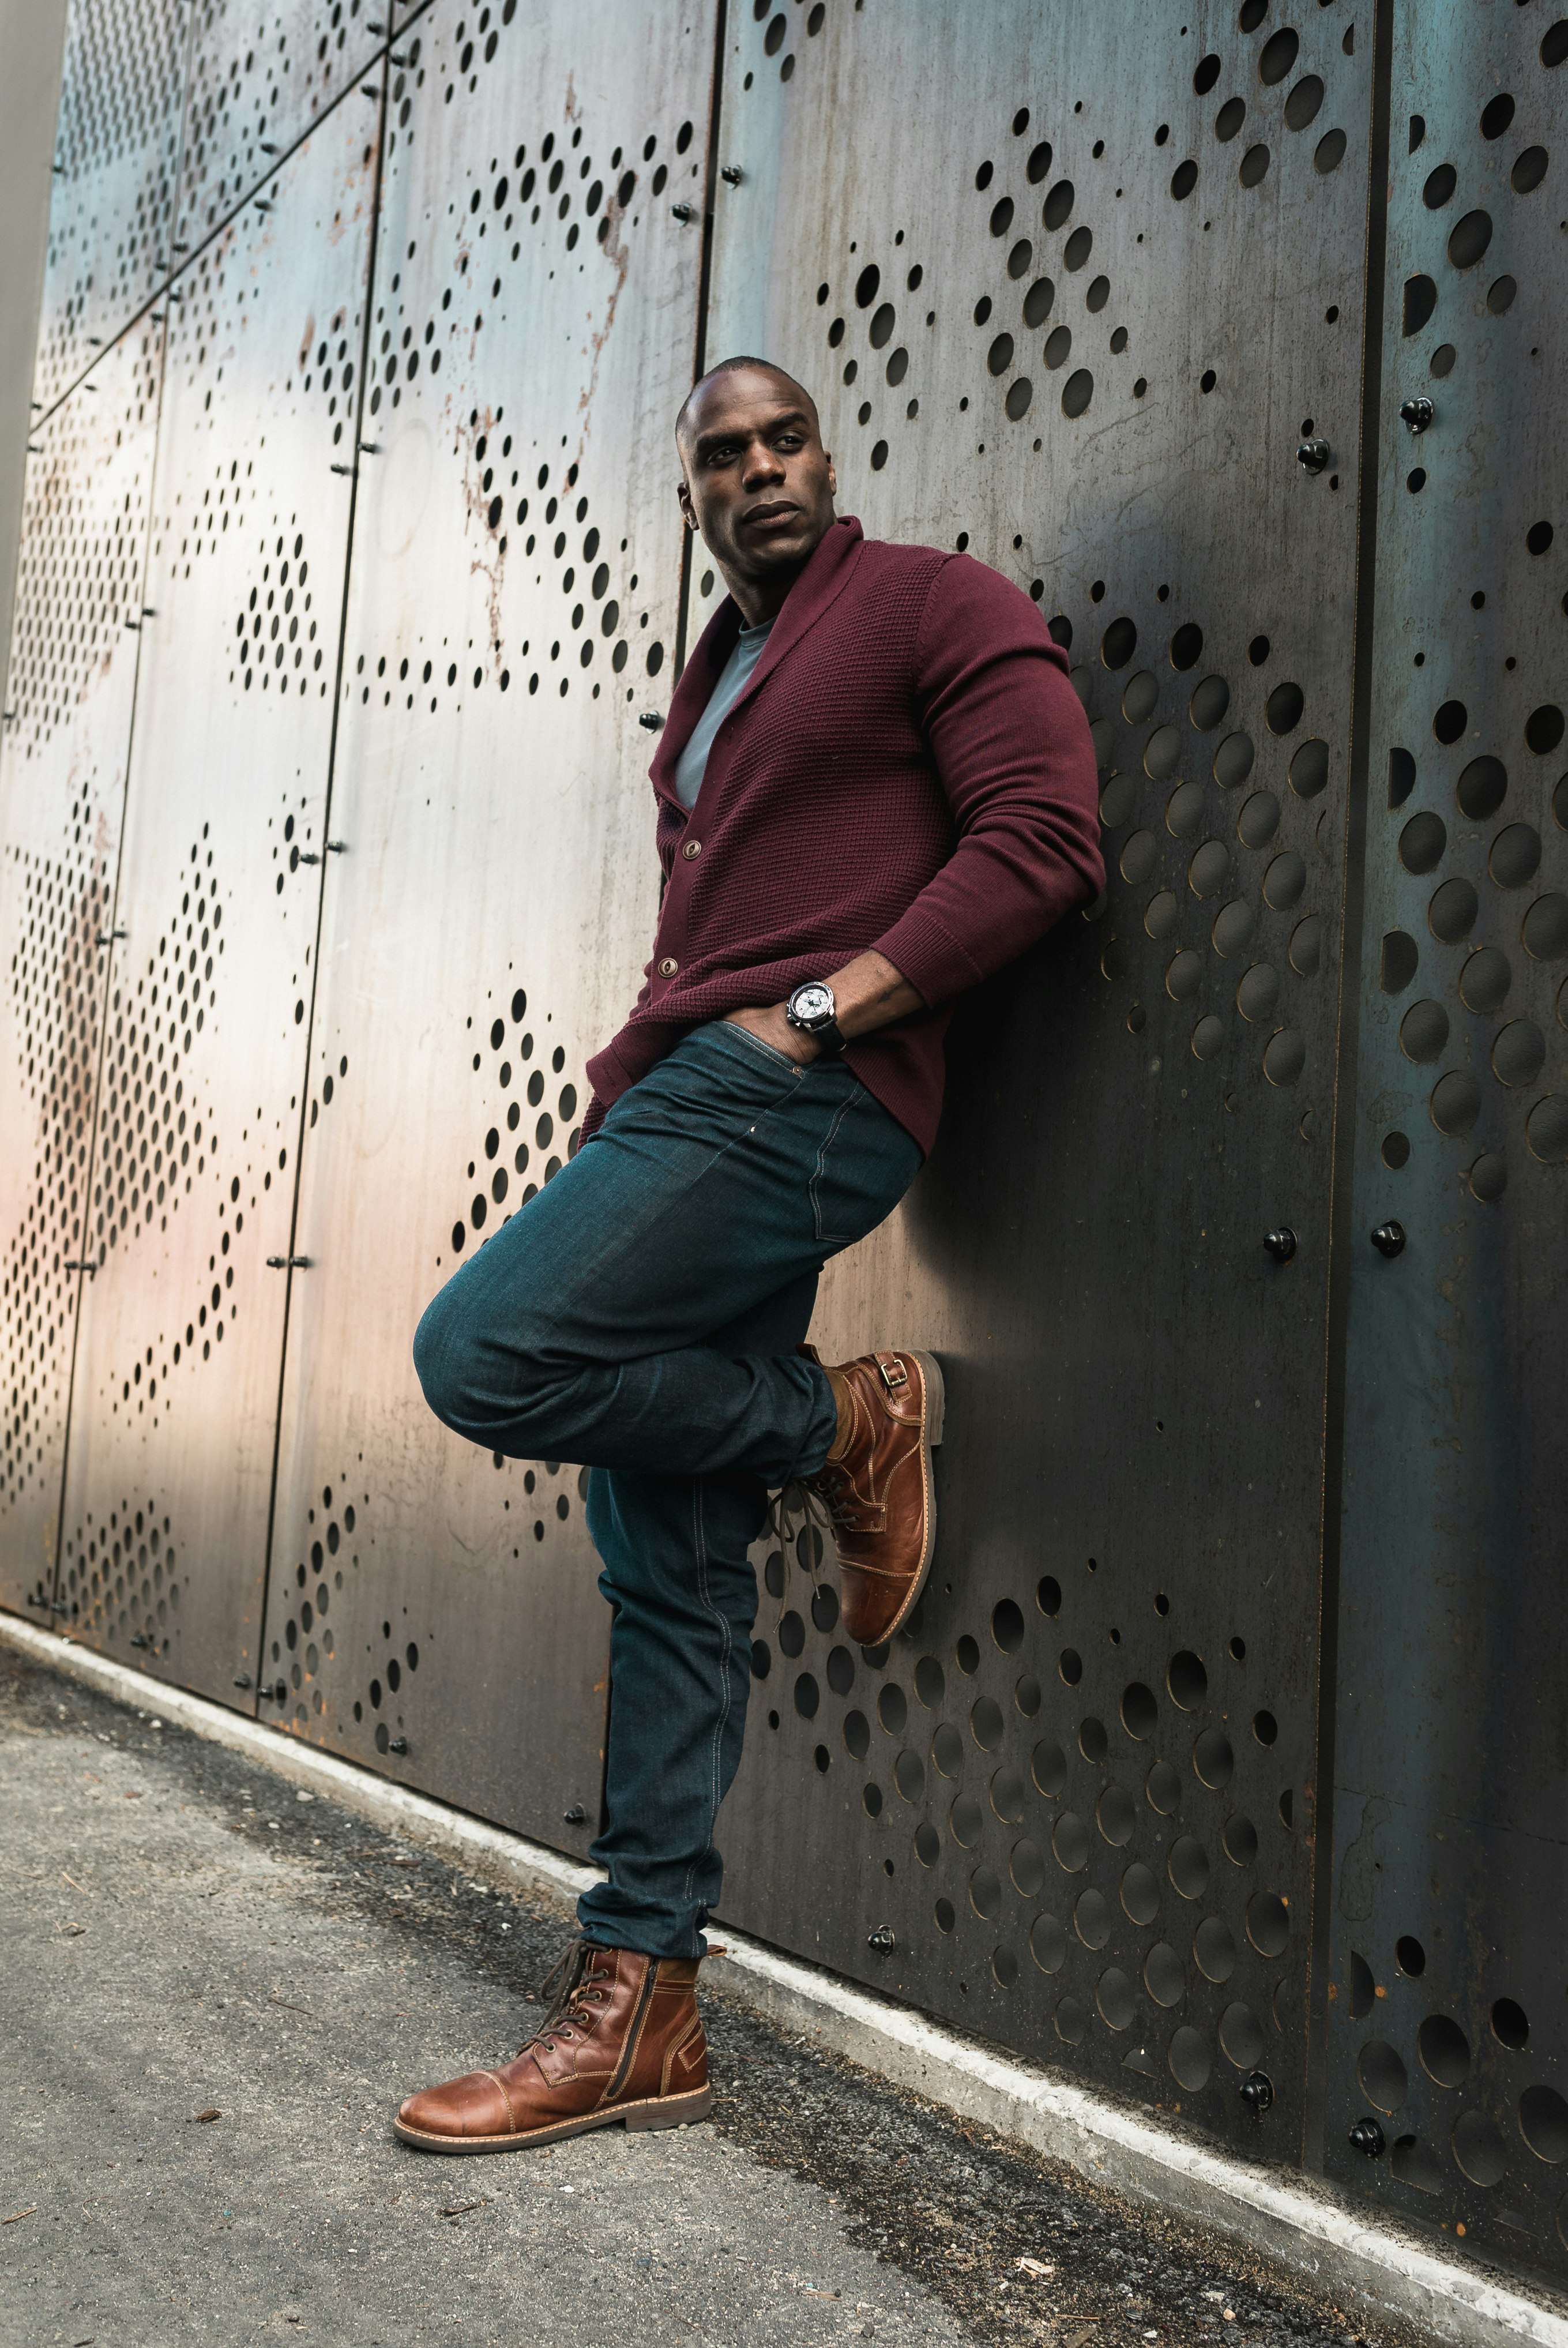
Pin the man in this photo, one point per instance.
(875, 787)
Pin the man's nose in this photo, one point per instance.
(762, 465)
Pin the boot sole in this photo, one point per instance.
(935, 1397)
(653, 2112)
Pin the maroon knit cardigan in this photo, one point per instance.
(908, 768)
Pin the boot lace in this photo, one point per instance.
(812, 1500)
(571, 1995)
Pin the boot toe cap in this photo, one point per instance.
(472, 2105)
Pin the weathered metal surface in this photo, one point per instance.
(259, 77)
(1446, 2019)
(1070, 293)
(117, 160)
(1077, 316)
(513, 600)
(68, 700)
(175, 1402)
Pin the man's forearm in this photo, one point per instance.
(870, 992)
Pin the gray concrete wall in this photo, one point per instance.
(32, 43)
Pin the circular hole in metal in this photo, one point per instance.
(1515, 855)
(1543, 2124)
(1140, 1893)
(1519, 1053)
(1479, 2148)
(1210, 699)
(1007, 1626)
(1115, 1816)
(1091, 1920)
(1452, 914)
(1188, 1867)
(1241, 2036)
(1070, 1842)
(1382, 2075)
(1116, 1999)
(1139, 1712)
(1190, 2059)
(1187, 1680)
(1239, 1840)
(966, 1821)
(1163, 1976)
(1455, 1103)
(985, 1723)
(1509, 2023)
(1423, 1031)
(1444, 2051)
(1026, 1866)
(1048, 1944)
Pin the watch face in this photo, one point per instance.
(812, 1002)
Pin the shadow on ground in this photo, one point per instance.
(217, 1989)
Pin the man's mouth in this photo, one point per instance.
(771, 517)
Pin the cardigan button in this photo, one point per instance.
(668, 967)
(692, 848)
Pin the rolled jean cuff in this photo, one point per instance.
(821, 1427)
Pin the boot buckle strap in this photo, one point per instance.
(895, 1376)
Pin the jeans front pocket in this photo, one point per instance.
(722, 1029)
(865, 1163)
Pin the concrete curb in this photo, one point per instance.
(1297, 2223)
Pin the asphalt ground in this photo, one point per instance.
(217, 1988)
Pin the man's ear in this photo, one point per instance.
(683, 494)
(832, 478)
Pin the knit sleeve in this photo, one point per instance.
(1011, 748)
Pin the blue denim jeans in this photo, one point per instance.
(640, 1316)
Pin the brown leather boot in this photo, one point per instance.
(622, 2042)
(877, 1486)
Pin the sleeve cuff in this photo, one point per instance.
(923, 950)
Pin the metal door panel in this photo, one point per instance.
(513, 612)
(68, 702)
(177, 1371)
(116, 161)
(1128, 1571)
(259, 78)
(1449, 1905)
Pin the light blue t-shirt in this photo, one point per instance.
(692, 763)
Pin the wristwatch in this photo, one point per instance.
(811, 1009)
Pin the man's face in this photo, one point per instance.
(758, 483)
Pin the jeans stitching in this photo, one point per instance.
(829, 1137)
(699, 1546)
(778, 1059)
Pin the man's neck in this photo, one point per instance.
(761, 600)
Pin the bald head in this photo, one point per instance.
(755, 479)
(693, 402)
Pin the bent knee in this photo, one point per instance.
(477, 1381)
(443, 1359)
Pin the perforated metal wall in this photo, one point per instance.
(69, 698)
(1446, 1999)
(181, 1332)
(513, 608)
(1222, 1521)
(1078, 1791)
(116, 161)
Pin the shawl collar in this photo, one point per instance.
(824, 577)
